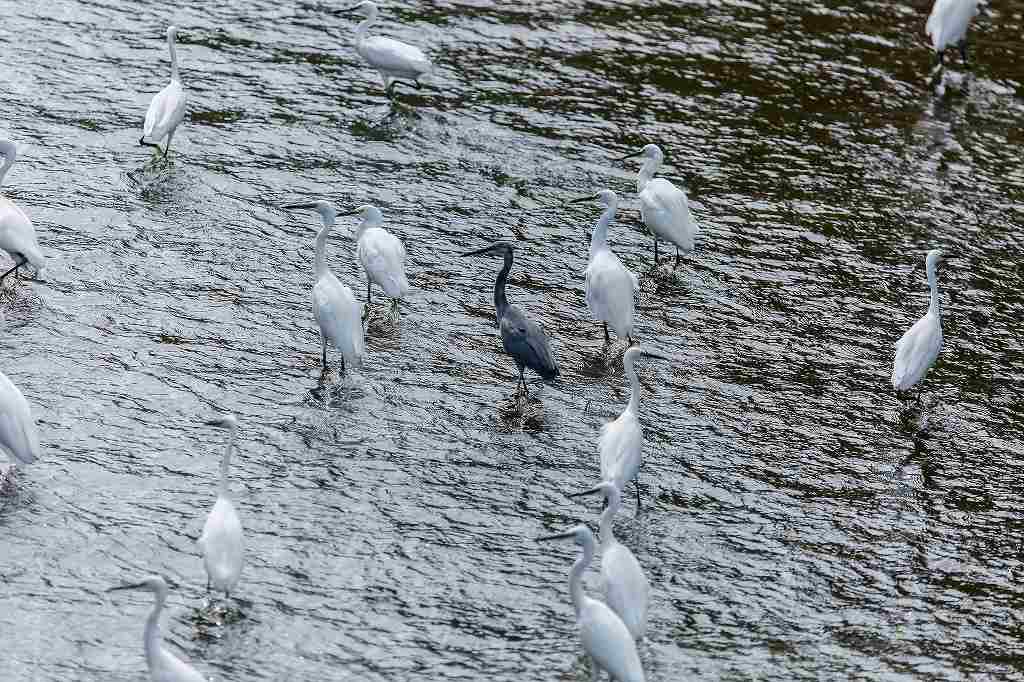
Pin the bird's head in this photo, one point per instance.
(605, 197)
(172, 33)
(650, 151)
(605, 488)
(365, 9)
(153, 583)
(497, 248)
(325, 208)
(225, 421)
(369, 214)
(580, 535)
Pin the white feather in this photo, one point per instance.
(339, 316)
(609, 289)
(18, 435)
(947, 24)
(383, 259)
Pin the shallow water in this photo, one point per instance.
(797, 523)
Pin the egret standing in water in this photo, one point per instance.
(609, 285)
(163, 665)
(663, 206)
(604, 636)
(522, 338)
(626, 589)
(18, 435)
(337, 312)
(167, 110)
(17, 236)
(918, 348)
(947, 26)
(221, 541)
(382, 256)
(393, 59)
(622, 441)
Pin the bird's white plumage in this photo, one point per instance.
(18, 435)
(606, 639)
(608, 284)
(666, 213)
(17, 235)
(339, 316)
(381, 254)
(919, 347)
(391, 58)
(620, 446)
(626, 588)
(222, 545)
(947, 24)
(166, 667)
(167, 109)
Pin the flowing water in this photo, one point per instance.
(797, 522)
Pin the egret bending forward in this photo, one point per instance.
(609, 285)
(626, 589)
(221, 541)
(337, 312)
(382, 256)
(167, 110)
(18, 435)
(163, 665)
(947, 26)
(522, 338)
(663, 206)
(17, 236)
(393, 59)
(622, 441)
(604, 636)
(918, 348)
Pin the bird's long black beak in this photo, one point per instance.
(651, 353)
(352, 212)
(478, 251)
(346, 10)
(579, 201)
(299, 205)
(630, 156)
(557, 536)
(133, 586)
(592, 491)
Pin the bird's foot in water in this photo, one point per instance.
(8, 480)
(522, 411)
(382, 323)
(215, 613)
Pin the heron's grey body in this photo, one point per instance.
(521, 337)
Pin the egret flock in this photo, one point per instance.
(609, 630)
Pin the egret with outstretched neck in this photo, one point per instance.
(947, 26)
(337, 312)
(663, 206)
(163, 665)
(382, 256)
(609, 285)
(167, 110)
(221, 542)
(604, 636)
(622, 441)
(918, 348)
(397, 62)
(522, 338)
(626, 589)
(17, 235)
(18, 435)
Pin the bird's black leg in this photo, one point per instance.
(342, 364)
(677, 259)
(390, 89)
(607, 339)
(963, 52)
(366, 310)
(143, 143)
(636, 487)
(323, 351)
(655, 253)
(17, 265)
(522, 380)
(629, 340)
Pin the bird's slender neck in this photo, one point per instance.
(628, 364)
(151, 638)
(174, 59)
(9, 154)
(647, 171)
(933, 306)
(320, 264)
(576, 576)
(500, 300)
(614, 502)
(225, 462)
(599, 240)
(364, 26)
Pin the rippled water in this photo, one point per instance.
(797, 523)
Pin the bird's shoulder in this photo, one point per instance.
(382, 47)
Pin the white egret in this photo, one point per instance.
(163, 665)
(17, 236)
(221, 542)
(393, 59)
(626, 589)
(609, 285)
(663, 206)
(337, 312)
(604, 636)
(918, 348)
(167, 110)
(522, 338)
(947, 25)
(18, 435)
(382, 256)
(622, 440)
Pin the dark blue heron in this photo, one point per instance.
(523, 338)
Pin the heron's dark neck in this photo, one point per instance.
(500, 301)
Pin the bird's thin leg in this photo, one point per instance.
(677, 259)
(963, 52)
(522, 380)
(607, 339)
(167, 148)
(636, 487)
(143, 143)
(366, 310)
(389, 88)
(629, 340)
(323, 351)
(14, 270)
(655, 253)
(342, 364)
